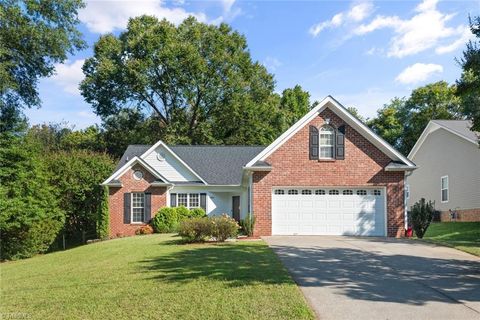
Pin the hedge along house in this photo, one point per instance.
(327, 174)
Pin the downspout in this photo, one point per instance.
(405, 200)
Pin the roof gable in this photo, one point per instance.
(460, 128)
(343, 113)
(129, 164)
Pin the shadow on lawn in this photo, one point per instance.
(238, 265)
(364, 275)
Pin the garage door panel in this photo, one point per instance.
(340, 213)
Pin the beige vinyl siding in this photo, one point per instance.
(445, 154)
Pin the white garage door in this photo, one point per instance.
(328, 211)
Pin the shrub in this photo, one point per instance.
(196, 229)
(144, 230)
(248, 224)
(422, 213)
(182, 213)
(224, 227)
(197, 213)
(166, 220)
(103, 222)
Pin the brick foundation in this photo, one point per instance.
(159, 199)
(363, 166)
(463, 215)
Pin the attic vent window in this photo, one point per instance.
(160, 156)
(138, 175)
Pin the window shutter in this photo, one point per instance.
(340, 143)
(126, 208)
(148, 207)
(173, 200)
(203, 201)
(313, 143)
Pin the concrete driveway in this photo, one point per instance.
(378, 278)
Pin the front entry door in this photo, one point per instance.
(236, 207)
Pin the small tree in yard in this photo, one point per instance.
(422, 214)
(103, 223)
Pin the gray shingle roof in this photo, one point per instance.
(461, 127)
(220, 165)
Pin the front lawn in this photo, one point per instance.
(464, 236)
(152, 277)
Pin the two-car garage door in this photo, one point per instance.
(328, 211)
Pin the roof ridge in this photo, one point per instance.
(216, 145)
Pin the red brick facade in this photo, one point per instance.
(463, 215)
(363, 166)
(159, 199)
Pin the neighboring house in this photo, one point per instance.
(448, 159)
(327, 174)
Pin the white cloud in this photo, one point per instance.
(229, 12)
(272, 63)
(425, 30)
(418, 72)
(465, 35)
(108, 16)
(356, 13)
(69, 75)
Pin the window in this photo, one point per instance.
(182, 199)
(278, 191)
(376, 192)
(194, 200)
(347, 192)
(320, 192)
(361, 192)
(292, 191)
(444, 188)
(333, 192)
(327, 142)
(138, 175)
(306, 192)
(138, 207)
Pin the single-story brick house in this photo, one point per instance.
(327, 174)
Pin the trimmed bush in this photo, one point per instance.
(144, 230)
(248, 224)
(182, 213)
(422, 214)
(224, 227)
(103, 219)
(196, 229)
(166, 220)
(197, 213)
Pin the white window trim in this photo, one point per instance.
(188, 199)
(447, 188)
(320, 145)
(131, 208)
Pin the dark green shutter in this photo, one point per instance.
(148, 207)
(203, 201)
(313, 143)
(126, 208)
(173, 199)
(340, 143)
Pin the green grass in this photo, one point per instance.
(152, 277)
(463, 236)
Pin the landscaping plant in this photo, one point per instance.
(224, 227)
(183, 213)
(422, 214)
(147, 229)
(196, 229)
(197, 213)
(166, 220)
(248, 224)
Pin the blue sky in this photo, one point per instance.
(361, 52)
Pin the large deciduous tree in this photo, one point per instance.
(198, 80)
(34, 35)
(468, 86)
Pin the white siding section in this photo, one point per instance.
(218, 201)
(445, 154)
(170, 168)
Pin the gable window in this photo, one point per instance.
(138, 207)
(444, 188)
(327, 142)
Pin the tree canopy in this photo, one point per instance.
(198, 80)
(468, 86)
(34, 35)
